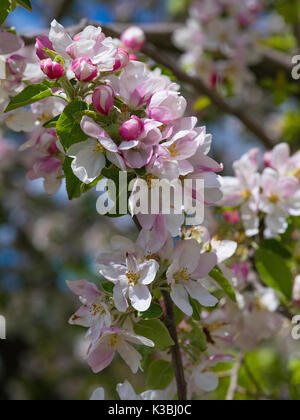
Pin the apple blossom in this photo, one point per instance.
(94, 313)
(116, 340)
(132, 129)
(103, 99)
(122, 59)
(52, 69)
(133, 39)
(188, 267)
(84, 69)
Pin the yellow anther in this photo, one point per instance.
(182, 275)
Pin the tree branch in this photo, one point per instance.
(234, 379)
(169, 322)
(175, 350)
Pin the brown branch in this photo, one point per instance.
(62, 9)
(175, 350)
(170, 323)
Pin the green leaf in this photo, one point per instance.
(201, 103)
(5, 9)
(108, 287)
(26, 4)
(51, 123)
(68, 127)
(198, 340)
(160, 375)
(155, 311)
(156, 331)
(274, 271)
(219, 277)
(30, 95)
(73, 184)
(196, 309)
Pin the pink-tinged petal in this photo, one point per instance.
(188, 254)
(120, 297)
(280, 156)
(85, 289)
(200, 294)
(130, 356)
(92, 129)
(82, 317)
(160, 228)
(146, 220)
(289, 186)
(180, 298)
(108, 144)
(127, 145)
(10, 43)
(140, 297)
(101, 356)
(206, 263)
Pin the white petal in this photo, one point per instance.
(127, 393)
(130, 355)
(199, 293)
(140, 297)
(98, 395)
(180, 298)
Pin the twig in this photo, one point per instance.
(234, 379)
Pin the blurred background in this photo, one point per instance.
(45, 241)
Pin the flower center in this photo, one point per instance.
(173, 151)
(95, 309)
(246, 194)
(98, 148)
(273, 198)
(182, 275)
(133, 277)
(114, 341)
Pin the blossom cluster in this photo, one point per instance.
(93, 109)
(263, 200)
(220, 40)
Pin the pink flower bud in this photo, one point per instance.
(103, 99)
(84, 69)
(296, 291)
(52, 69)
(133, 57)
(132, 129)
(16, 65)
(133, 39)
(43, 42)
(232, 217)
(122, 59)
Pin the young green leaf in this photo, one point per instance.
(219, 277)
(160, 375)
(156, 331)
(155, 311)
(68, 127)
(5, 9)
(73, 184)
(274, 271)
(26, 4)
(30, 95)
